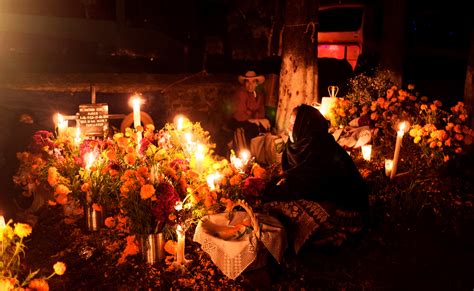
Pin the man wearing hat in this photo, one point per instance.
(248, 107)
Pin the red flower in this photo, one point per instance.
(167, 198)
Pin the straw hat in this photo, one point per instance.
(251, 75)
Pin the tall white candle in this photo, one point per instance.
(62, 125)
(77, 139)
(367, 152)
(388, 167)
(180, 123)
(398, 144)
(2, 228)
(180, 246)
(136, 111)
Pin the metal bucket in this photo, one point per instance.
(152, 248)
(94, 218)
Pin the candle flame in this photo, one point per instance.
(179, 121)
(367, 152)
(179, 229)
(60, 118)
(179, 206)
(212, 179)
(244, 155)
(136, 100)
(90, 159)
(189, 137)
(402, 126)
(2, 222)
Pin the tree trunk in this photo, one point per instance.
(393, 39)
(299, 71)
(468, 85)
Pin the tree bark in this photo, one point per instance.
(393, 39)
(469, 83)
(299, 71)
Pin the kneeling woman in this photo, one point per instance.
(321, 194)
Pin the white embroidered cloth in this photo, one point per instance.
(234, 255)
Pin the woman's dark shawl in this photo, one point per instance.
(316, 168)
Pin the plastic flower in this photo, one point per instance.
(38, 285)
(22, 230)
(59, 268)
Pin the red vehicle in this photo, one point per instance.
(340, 34)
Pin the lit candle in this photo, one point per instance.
(62, 125)
(180, 246)
(366, 151)
(136, 111)
(244, 156)
(388, 167)
(89, 159)
(199, 157)
(212, 181)
(180, 123)
(398, 144)
(2, 228)
(327, 103)
(77, 139)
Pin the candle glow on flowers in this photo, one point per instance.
(212, 180)
(89, 159)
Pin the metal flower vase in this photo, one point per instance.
(94, 218)
(152, 248)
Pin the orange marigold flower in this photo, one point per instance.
(447, 142)
(38, 285)
(130, 149)
(59, 268)
(258, 171)
(389, 93)
(130, 158)
(449, 126)
(458, 150)
(62, 190)
(446, 158)
(373, 107)
(52, 203)
(22, 230)
(235, 180)
(53, 176)
(130, 249)
(147, 191)
(458, 136)
(433, 107)
(61, 199)
(411, 87)
(457, 128)
(170, 247)
(109, 222)
(96, 207)
(438, 103)
(111, 155)
(122, 142)
(171, 217)
(423, 107)
(374, 116)
(462, 117)
(113, 172)
(424, 98)
(412, 97)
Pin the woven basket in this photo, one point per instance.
(262, 253)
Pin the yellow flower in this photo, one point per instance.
(59, 268)
(147, 191)
(417, 139)
(6, 284)
(22, 230)
(53, 176)
(39, 285)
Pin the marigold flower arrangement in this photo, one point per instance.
(12, 249)
(376, 102)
